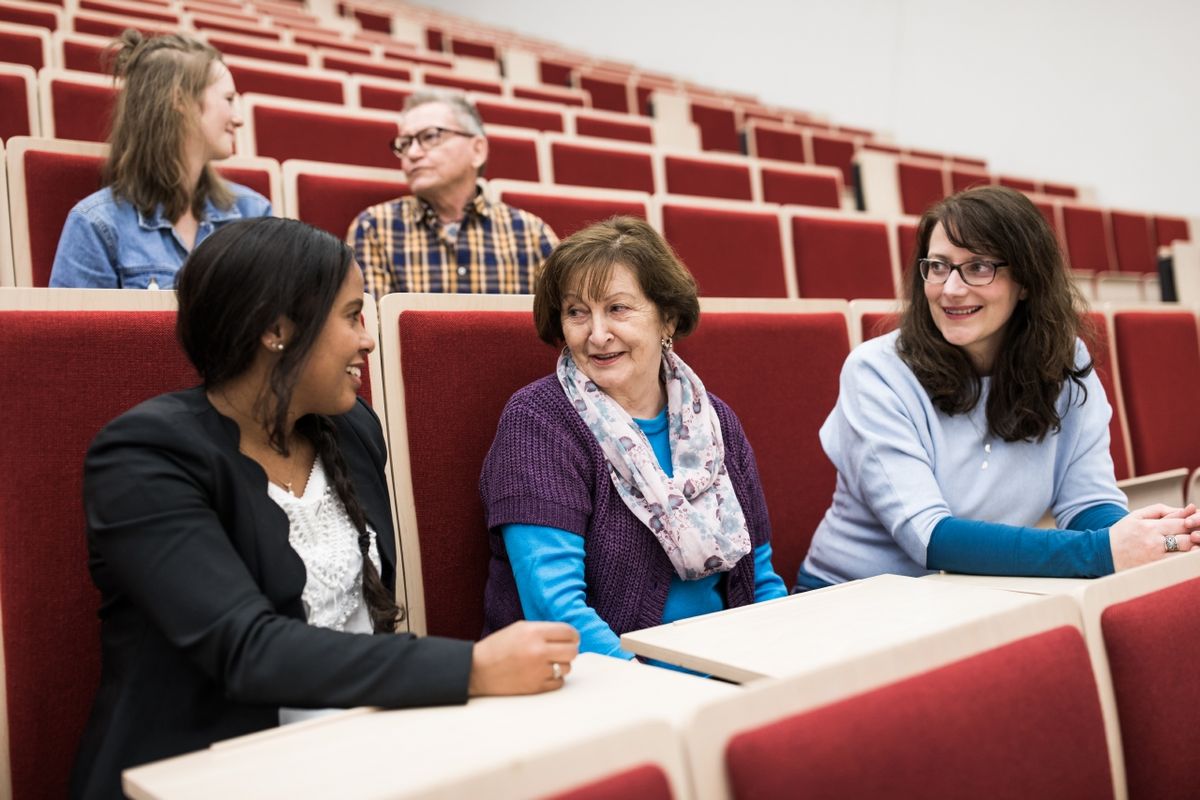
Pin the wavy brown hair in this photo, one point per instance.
(145, 162)
(1037, 353)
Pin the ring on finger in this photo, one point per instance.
(556, 670)
(1170, 545)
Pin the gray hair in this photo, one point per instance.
(464, 110)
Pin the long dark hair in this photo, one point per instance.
(1037, 354)
(232, 288)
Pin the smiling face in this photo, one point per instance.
(218, 115)
(971, 317)
(616, 340)
(332, 373)
(451, 166)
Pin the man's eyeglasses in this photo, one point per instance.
(975, 272)
(428, 138)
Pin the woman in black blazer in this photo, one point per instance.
(204, 631)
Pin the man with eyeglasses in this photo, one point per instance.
(447, 236)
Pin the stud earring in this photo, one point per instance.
(279, 346)
(666, 342)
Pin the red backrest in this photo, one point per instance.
(835, 151)
(843, 258)
(331, 202)
(802, 189)
(19, 47)
(587, 165)
(54, 183)
(256, 178)
(1147, 637)
(82, 56)
(538, 119)
(731, 352)
(1170, 229)
(513, 157)
(1020, 184)
(962, 179)
(1132, 240)
(1019, 721)
(647, 782)
(28, 16)
(1060, 190)
(283, 133)
(360, 66)
(921, 185)
(373, 22)
(104, 363)
(268, 52)
(704, 178)
(82, 111)
(1098, 343)
(555, 73)
(213, 23)
(1149, 346)
(608, 94)
(906, 238)
(561, 97)
(718, 128)
(131, 10)
(567, 214)
(460, 366)
(731, 253)
(389, 98)
(630, 131)
(14, 100)
(460, 82)
(776, 143)
(473, 48)
(1087, 238)
(877, 323)
(296, 84)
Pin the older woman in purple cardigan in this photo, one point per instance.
(619, 493)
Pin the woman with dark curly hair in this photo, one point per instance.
(955, 434)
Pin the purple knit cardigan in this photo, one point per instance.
(546, 468)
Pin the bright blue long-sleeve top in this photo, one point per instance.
(549, 572)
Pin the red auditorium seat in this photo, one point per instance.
(612, 165)
(779, 142)
(794, 184)
(330, 196)
(253, 76)
(1060, 190)
(381, 93)
(231, 44)
(473, 48)
(211, 22)
(283, 129)
(840, 256)
(363, 65)
(732, 249)
(373, 22)
(98, 23)
(1152, 344)
(76, 105)
(1133, 243)
(18, 101)
(433, 77)
(718, 127)
(612, 126)
(567, 209)
(325, 42)
(535, 116)
(513, 154)
(646, 782)
(155, 13)
(1036, 732)
(39, 15)
(708, 176)
(80, 52)
(872, 318)
(1170, 229)
(555, 73)
(553, 94)
(834, 150)
(1020, 184)
(24, 44)
(392, 53)
(922, 183)
(963, 178)
(1087, 237)
(1099, 344)
(906, 243)
(609, 90)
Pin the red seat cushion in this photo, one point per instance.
(28, 16)
(921, 185)
(83, 56)
(283, 133)
(842, 258)
(1149, 346)
(1019, 721)
(54, 183)
(614, 129)
(796, 188)
(702, 178)
(1146, 639)
(331, 202)
(730, 253)
(647, 782)
(304, 87)
(583, 165)
(1087, 238)
(81, 111)
(781, 145)
(103, 363)
(1132, 238)
(538, 119)
(731, 352)
(718, 128)
(566, 215)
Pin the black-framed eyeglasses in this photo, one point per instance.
(428, 138)
(976, 272)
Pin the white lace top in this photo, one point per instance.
(322, 534)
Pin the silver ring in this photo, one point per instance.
(556, 670)
(1170, 545)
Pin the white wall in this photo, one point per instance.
(1094, 92)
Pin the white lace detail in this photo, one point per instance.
(323, 535)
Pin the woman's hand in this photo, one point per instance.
(1140, 537)
(522, 659)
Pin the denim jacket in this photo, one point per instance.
(106, 243)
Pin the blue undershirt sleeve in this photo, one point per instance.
(767, 583)
(1101, 515)
(990, 548)
(547, 564)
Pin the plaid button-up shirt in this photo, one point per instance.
(495, 248)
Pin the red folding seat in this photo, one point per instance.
(371, 21)
(708, 176)
(513, 154)
(380, 92)
(645, 782)
(140, 10)
(330, 196)
(209, 22)
(253, 76)
(1020, 184)
(553, 94)
(520, 115)
(906, 243)
(614, 126)
(1133, 243)
(608, 165)
(770, 140)
(282, 129)
(473, 48)
(1087, 237)
(363, 65)
(76, 105)
(718, 127)
(231, 44)
(556, 73)
(432, 77)
(609, 90)
(1170, 229)
(733, 250)
(834, 150)
(39, 15)
(24, 44)
(978, 163)
(1100, 347)
(1060, 190)
(793, 184)
(963, 178)
(567, 209)
(922, 183)
(81, 52)
(393, 54)
(838, 256)
(99, 23)
(18, 101)
(332, 43)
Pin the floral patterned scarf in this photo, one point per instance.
(695, 515)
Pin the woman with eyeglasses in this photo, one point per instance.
(954, 435)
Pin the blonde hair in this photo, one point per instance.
(145, 163)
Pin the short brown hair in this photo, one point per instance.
(145, 162)
(586, 258)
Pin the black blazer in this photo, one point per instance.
(202, 626)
